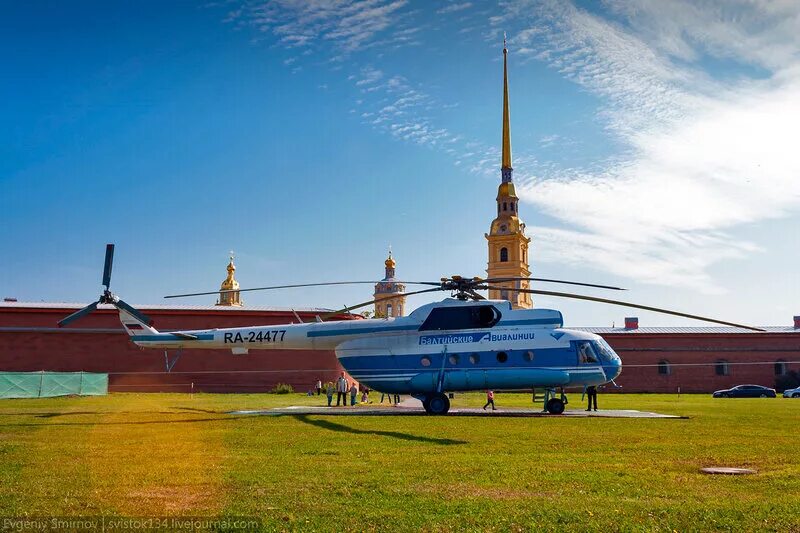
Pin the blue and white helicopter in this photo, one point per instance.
(462, 343)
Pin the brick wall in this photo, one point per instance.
(81, 347)
(692, 358)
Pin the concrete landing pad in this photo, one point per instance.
(419, 411)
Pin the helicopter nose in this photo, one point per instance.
(612, 369)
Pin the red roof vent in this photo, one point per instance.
(797, 322)
(631, 322)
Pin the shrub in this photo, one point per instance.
(282, 388)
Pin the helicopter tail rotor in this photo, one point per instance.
(107, 297)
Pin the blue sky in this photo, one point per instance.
(654, 147)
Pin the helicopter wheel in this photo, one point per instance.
(438, 404)
(555, 406)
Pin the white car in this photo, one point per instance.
(792, 393)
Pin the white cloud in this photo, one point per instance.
(704, 156)
(347, 24)
(454, 7)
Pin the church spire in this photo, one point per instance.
(505, 168)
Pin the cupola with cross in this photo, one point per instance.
(389, 293)
(232, 298)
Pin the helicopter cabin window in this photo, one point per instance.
(461, 317)
(502, 357)
(780, 368)
(721, 368)
(586, 353)
(425, 361)
(663, 368)
(389, 311)
(528, 356)
(453, 358)
(474, 359)
(503, 255)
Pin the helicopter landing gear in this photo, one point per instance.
(437, 404)
(555, 406)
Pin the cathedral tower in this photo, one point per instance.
(389, 306)
(508, 245)
(230, 284)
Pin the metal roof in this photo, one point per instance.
(684, 330)
(163, 307)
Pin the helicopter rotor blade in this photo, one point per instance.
(327, 284)
(364, 304)
(546, 280)
(77, 314)
(108, 264)
(628, 304)
(139, 315)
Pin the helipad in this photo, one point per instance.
(419, 411)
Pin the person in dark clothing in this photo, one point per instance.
(591, 392)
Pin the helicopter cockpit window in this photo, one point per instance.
(586, 353)
(603, 350)
(461, 317)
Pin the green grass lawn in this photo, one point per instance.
(181, 455)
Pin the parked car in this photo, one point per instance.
(792, 393)
(746, 391)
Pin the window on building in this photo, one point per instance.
(503, 255)
(721, 368)
(505, 206)
(512, 207)
(664, 368)
(504, 295)
(780, 368)
(389, 310)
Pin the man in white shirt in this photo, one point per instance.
(341, 390)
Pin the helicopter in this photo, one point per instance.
(462, 343)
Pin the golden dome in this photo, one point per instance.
(390, 263)
(230, 282)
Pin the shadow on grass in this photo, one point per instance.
(341, 428)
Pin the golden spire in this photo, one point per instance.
(506, 114)
(390, 263)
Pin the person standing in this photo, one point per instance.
(329, 388)
(489, 400)
(341, 390)
(319, 387)
(353, 394)
(591, 393)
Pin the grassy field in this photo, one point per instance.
(181, 455)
